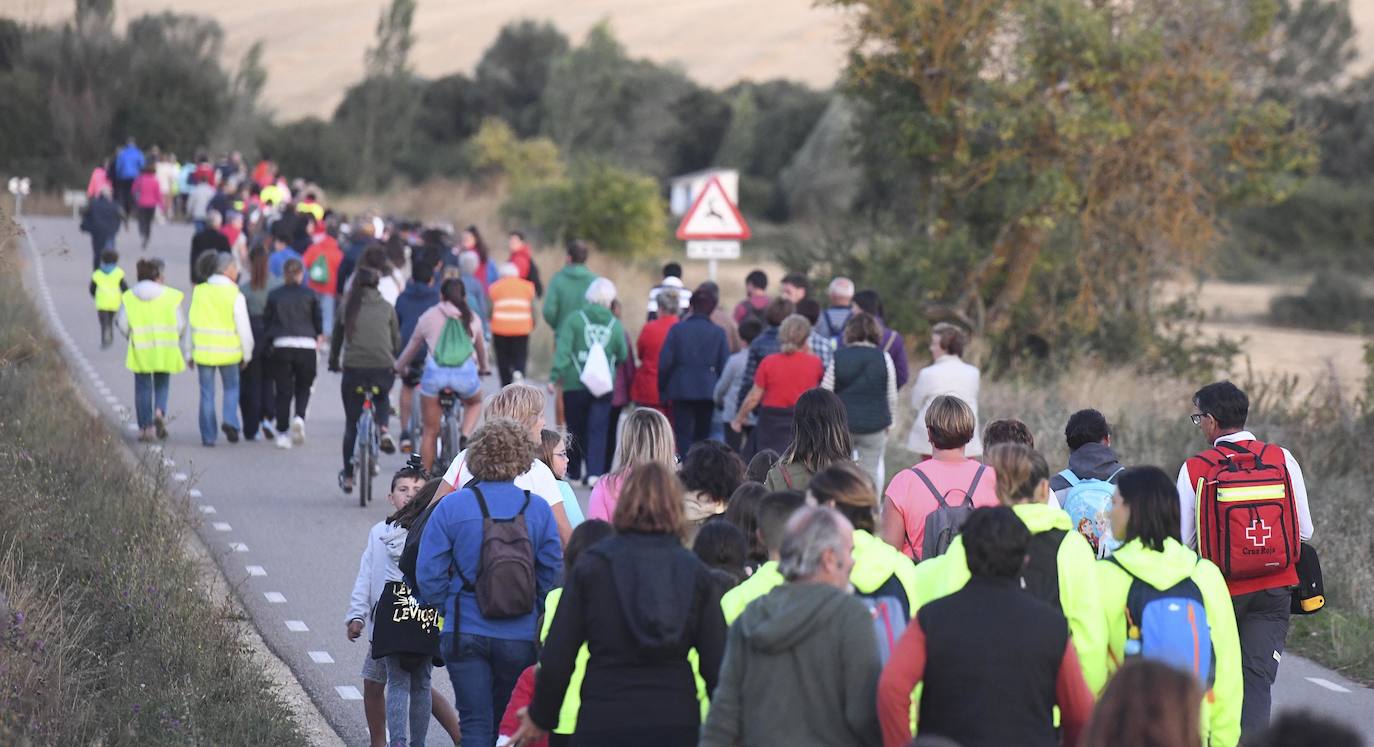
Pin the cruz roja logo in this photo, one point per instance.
(1258, 533)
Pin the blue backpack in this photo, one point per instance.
(889, 622)
(1169, 626)
(1089, 506)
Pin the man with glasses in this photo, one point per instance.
(1240, 502)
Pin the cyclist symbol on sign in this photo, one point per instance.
(1258, 533)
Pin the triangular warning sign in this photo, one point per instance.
(713, 216)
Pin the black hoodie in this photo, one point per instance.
(640, 602)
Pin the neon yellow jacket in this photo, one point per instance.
(875, 562)
(1078, 592)
(1221, 706)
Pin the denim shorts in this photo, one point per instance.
(374, 670)
(462, 379)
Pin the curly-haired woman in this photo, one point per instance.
(711, 473)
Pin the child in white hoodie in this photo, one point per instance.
(406, 705)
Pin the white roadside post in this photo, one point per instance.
(713, 228)
(19, 187)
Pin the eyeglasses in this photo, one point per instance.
(1198, 416)
(563, 454)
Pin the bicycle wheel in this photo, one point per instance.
(449, 435)
(362, 459)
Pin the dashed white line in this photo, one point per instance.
(1329, 685)
(132, 427)
(221, 526)
(111, 399)
(275, 597)
(168, 462)
(179, 476)
(348, 692)
(207, 510)
(296, 626)
(256, 570)
(321, 657)
(238, 547)
(195, 493)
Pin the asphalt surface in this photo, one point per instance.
(288, 538)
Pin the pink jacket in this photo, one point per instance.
(147, 192)
(605, 494)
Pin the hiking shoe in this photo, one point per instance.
(231, 433)
(268, 429)
(407, 443)
(345, 482)
(298, 430)
(160, 426)
(283, 441)
(388, 446)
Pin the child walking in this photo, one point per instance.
(396, 688)
(554, 455)
(107, 287)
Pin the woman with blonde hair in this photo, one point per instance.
(948, 480)
(525, 405)
(646, 437)
(779, 382)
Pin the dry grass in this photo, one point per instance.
(111, 638)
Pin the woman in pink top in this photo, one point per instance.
(646, 436)
(147, 198)
(915, 493)
(464, 379)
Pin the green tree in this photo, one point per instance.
(620, 211)
(514, 71)
(1071, 150)
(496, 151)
(383, 124)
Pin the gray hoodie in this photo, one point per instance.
(801, 668)
(1087, 462)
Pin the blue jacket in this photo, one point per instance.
(416, 299)
(128, 162)
(691, 360)
(453, 538)
(276, 261)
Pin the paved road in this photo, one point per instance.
(282, 531)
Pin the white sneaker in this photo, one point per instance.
(283, 441)
(298, 430)
(593, 480)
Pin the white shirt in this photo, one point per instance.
(539, 480)
(241, 323)
(949, 374)
(1187, 496)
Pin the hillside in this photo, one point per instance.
(314, 48)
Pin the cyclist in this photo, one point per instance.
(365, 342)
(456, 359)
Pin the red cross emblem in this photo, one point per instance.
(1258, 533)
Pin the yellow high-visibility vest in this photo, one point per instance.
(107, 289)
(153, 338)
(214, 336)
(313, 208)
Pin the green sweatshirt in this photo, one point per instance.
(1221, 707)
(575, 336)
(1078, 593)
(567, 293)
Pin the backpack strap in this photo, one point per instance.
(1071, 478)
(968, 497)
(891, 338)
(786, 476)
(481, 500)
(524, 505)
(1114, 475)
(939, 497)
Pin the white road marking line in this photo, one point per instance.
(168, 462)
(132, 427)
(207, 510)
(321, 657)
(111, 399)
(256, 570)
(238, 547)
(179, 476)
(348, 692)
(296, 626)
(275, 597)
(221, 526)
(195, 493)
(1329, 685)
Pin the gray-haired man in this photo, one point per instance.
(801, 664)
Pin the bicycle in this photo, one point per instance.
(367, 447)
(450, 432)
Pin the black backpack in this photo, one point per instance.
(505, 585)
(1040, 577)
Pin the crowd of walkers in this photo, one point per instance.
(748, 571)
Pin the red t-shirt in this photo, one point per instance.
(333, 255)
(784, 377)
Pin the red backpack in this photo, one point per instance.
(1246, 512)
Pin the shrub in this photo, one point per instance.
(496, 151)
(1332, 302)
(620, 211)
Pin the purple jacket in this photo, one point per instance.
(895, 346)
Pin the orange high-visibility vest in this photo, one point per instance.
(512, 307)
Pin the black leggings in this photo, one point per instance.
(293, 370)
(353, 378)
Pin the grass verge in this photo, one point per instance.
(110, 637)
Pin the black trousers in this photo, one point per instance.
(1262, 623)
(353, 378)
(511, 355)
(257, 391)
(691, 422)
(293, 371)
(145, 222)
(124, 196)
(106, 327)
